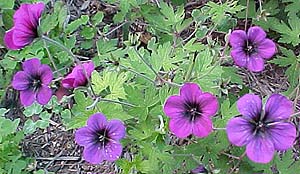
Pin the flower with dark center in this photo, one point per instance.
(250, 49)
(190, 111)
(100, 139)
(33, 82)
(78, 77)
(25, 29)
(262, 131)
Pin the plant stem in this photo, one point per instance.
(51, 58)
(137, 73)
(98, 99)
(191, 67)
(153, 70)
(75, 59)
(246, 18)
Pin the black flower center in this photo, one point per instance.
(260, 125)
(35, 83)
(102, 137)
(250, 48)
(192, 111)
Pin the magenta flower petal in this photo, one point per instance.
(209, 104)
(239, 57)
(101, 139)
(32, 66)
(260, 150)
(24, 31)
(250, 50)
(34, 81)
(93, 154)
(174, 106)
(190, 91)
(46, 74)
(256, 34)
(97, 121)
(283, 135)
(20, 81)
(27, 97)
(255, 64)
(278, 107)
(249, 105)
(112, 151)
(43, 95)
(202, 127)
(8, 40)
(190, 112)
(237, 38)
(84, 136)
(77, 77)
(266, 48)
(117, 129)
(239, 131)
(180, 127)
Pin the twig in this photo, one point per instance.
(230, 156)
(62, 158)
(116, 28)
(238, 163)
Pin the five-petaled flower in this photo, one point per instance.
(26, 21)
(190, 111)
(251, 48)
(100, 139)
(262, 130)
(77, 76)
(33, 82)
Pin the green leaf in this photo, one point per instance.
(7, 4)
(29, 126)
(35, 108)
(77, 23)
(97, 18)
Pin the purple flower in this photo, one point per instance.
(33, 82)
(199, 169)
(77, 77)
(262, 130)
(26, 21)
(190, 111)
(249, 50)
(100, 139)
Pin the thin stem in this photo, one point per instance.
(116, 28)
(153, 70)
(76, 60)
(137, 73)
(246, 18)
(216, 128)
(191, 67)
(51, 58)
(238, 163)
(98, 99)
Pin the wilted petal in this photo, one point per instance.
(238, 38)
(68, 82)
(255, 63)
(278, 107)
(20, 81)
(89, 67)
(93, 154)
(44, 95)
(190, 92)
(239, 131)
(85, 136)
(174, 106)
(27, 97)
(8, 40)
(116, 129)
(80, 78)
(112, 151)
(239, 56)
(266, 48)
(208, 104)
(31, 66)
(202, 126)
(256, 34)
(46, 74)
(260, 150)
(249, 105)
(97, 121)
(181, 127)
(283, 135)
